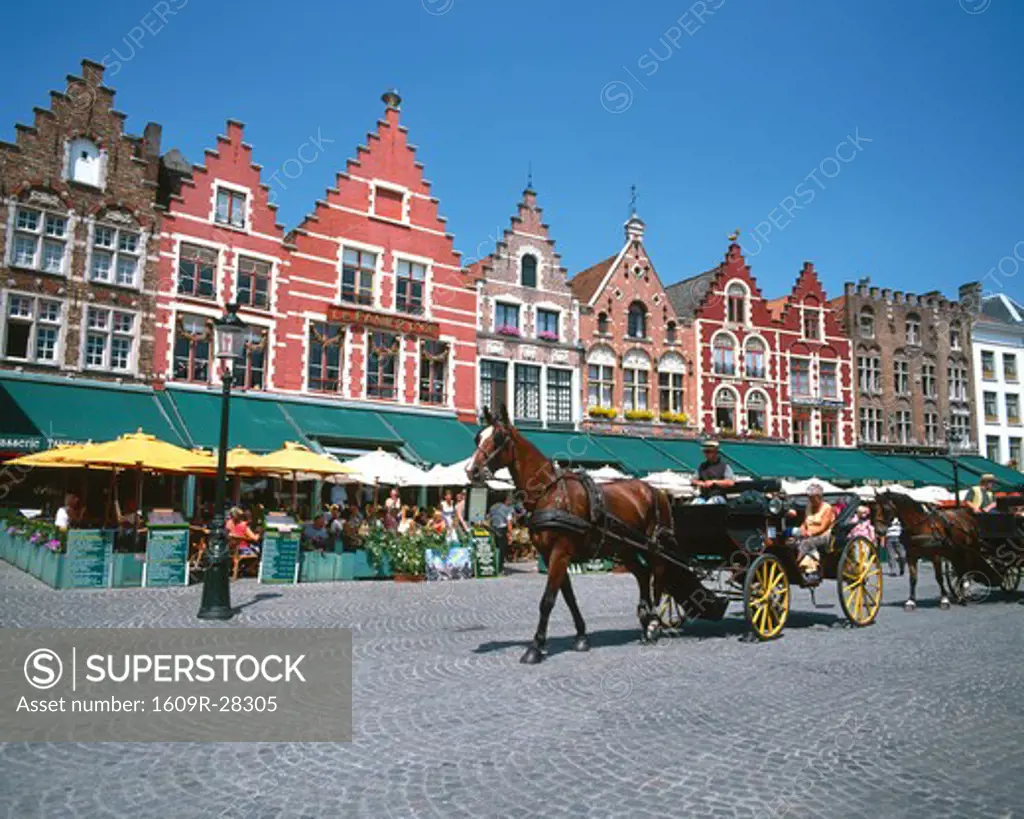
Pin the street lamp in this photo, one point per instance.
(229, 338)
(954, 436)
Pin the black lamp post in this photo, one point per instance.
(954, 437)
(229, 338)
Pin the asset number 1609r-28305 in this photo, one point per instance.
(237, 704)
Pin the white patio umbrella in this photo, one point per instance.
(455, 475)
(931, 494)
(675, 483)
(800, 487)
(606, 473)
(379, 467)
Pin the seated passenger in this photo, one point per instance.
(714, 476)
(814, 532)
(864, 527)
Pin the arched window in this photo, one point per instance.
(671, 369)
(754, 358)
(723, 357)
(866, 322)
(955, 338)
(84, 162)
(670, 332)
(600, 376)
(636, 366)
(725, 411)
(637, 321)
(812, 320)
(736, 303)
(528, 270)
(757, 412)
(602, 323)
(913, 328)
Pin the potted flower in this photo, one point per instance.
(639, 415)
(547, 335)
(601, 412)
(507, 330)
(674, 417)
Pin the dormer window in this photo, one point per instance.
(230, 208)
(913, 328)
(812, 323)
(866, 322)
(637, 322)
(736, 304)
(528, 272)
(85, 163)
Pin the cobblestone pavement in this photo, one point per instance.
(919, 715)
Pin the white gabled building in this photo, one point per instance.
(998, 365)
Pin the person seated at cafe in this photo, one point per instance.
(437, 524)
(335, 526)
(714, 476)
(393, 502)
(814, 532)
(982, 498)
(315, 534)
(240, 533)
(69, 514)
(406, 521)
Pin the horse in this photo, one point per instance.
(564, 528)
(935, 534)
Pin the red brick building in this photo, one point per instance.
(220, 243)
(636, 370)
(379, 309)
(766, 369)
(78, 214)
(528, 326)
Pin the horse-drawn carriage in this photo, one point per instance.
(997, 562)
(739, 552)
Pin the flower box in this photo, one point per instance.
(639, 415)
(547, 335)
(674, 417)
(507, 330)
(602, 412)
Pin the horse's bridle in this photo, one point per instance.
(501, 440)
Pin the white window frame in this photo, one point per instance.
(59, 324)
(428, 282)
(547, 308)
(376, 183)
(68, 162)
(109, 333)
(378, 271)
(40, 237)
(115, 253)
(271, 284)
(230, 187)
(746, 321)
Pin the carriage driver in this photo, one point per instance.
(814, 532)
(714, 476)
(981, 497)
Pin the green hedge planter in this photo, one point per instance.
(23, 553)
(364, 570)
(319, 567)
(35, 560)
(52, 569)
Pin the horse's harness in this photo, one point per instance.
(940, 528)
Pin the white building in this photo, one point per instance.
(998, 362)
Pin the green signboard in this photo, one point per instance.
(90, 558)
(166, 556)
(486, 560)
(279, 562)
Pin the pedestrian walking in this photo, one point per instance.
(895, 553)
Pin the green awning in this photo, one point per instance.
(854, 465)
(37, 413)
(434, 440)
(923, 471)
(255, 423)
(341, 425)
(638, 455)
(570, 449)
(774, 461)
(686, 454)
(974, 465)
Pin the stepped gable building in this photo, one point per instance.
(998, 343)
(219, 243)
(528, 352)
(912, 357)
(380, 309)
(777, 369)
(635, 374)
(78, 208)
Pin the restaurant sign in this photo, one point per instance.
(810, 401)
(406, 325)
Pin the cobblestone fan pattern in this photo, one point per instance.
(919, 715)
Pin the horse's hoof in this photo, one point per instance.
(910, 605)
(653, 631)
(532, 656)
(581, 644)
(943, 603)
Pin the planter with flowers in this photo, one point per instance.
(547, 335)
(639, 415)
(602, 412)
(507, 330)
(674, 417)
(404, 555)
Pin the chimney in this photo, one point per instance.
(151, 140)
(970, 296)
(634, 229)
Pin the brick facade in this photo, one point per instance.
(912, 366)
(635, 374)
(78, 211)
(777, 369)
(380, 309)
(220, 243)
(528, 350)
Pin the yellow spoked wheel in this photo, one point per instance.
(669, 612)
(860, 581)
(766, 597)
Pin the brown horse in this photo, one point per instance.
(545, 490)
(933, 533)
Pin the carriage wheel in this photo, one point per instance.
(669, 612)
(1011, 579)
(766, 597)
(860, 581)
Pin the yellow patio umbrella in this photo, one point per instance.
(62, 455)
(295, 459)
(240, 461)
(139, 451)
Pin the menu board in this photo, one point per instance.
(166, 556)
(486, 560)
(280, 558)
(90, 558)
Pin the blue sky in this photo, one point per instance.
(717, 118)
